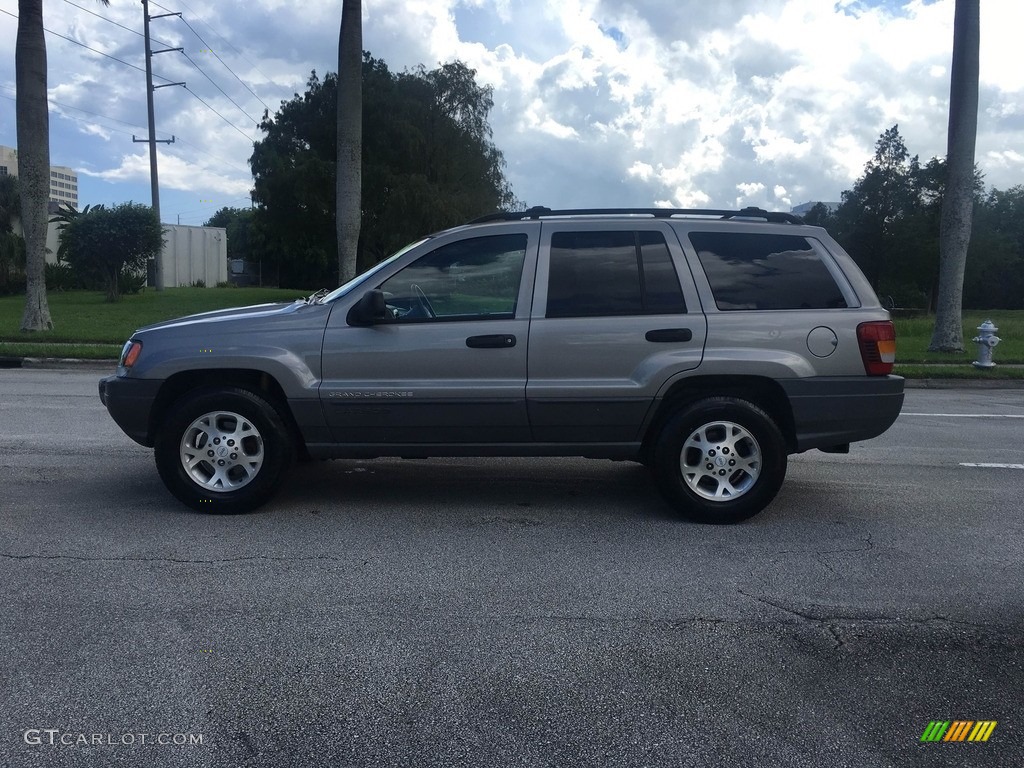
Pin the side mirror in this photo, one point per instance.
(371, 309)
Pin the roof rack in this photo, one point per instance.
(538, 211)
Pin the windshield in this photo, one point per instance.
(360, 279)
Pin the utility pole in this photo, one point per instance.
(153, 141)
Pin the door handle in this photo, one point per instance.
(670, 334)
(491, 341)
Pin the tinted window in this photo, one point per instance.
(752, 271)
(470, 279)
(611, 273)
(662, 294)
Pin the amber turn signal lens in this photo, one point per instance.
(131, 354)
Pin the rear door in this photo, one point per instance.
(615, 314)
(451, 366)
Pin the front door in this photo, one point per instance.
(449, 365)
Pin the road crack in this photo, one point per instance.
(185, 561)
(835, 623)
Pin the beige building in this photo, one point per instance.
(63, 180)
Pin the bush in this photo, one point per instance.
(61, 277)
(226, 284)
(13, 285)
(198, 284)
(110, 244)
(131, 281)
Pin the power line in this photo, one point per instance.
(92, 123)
(180, 140)
(168, 45)
(254, 120)
(218, 114)
(210, 48)
(83, 45)
(250, 90)
(202, 151)
(140, 69)
(79, 109)
(116, 24)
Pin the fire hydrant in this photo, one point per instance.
(986, 341)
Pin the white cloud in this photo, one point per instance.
(175, 173)
(597, 102)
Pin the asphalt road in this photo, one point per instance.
(497, 612)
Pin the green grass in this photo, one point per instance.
(84, 316)
(71, 351)
(913, 335)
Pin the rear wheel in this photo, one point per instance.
(720, 460)
(223, 450)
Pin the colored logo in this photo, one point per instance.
(958, 730)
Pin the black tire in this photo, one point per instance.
(250, 467)
(720, 460)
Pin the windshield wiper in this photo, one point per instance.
(314, 298)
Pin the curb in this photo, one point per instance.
(57, 363)
(963, 383)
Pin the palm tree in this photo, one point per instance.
(33, 121)
(349, 181)
(958, 201)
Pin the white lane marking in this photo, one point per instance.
(970, 415)
(993, 466)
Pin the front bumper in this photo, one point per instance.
(833, 410)
(130, 403)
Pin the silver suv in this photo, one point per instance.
(707, 345)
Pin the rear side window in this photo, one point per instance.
(594, 274)
(754, 271)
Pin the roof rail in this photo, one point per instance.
(537, 212)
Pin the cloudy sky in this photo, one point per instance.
(714, 103)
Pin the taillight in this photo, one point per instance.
(130, 353)
(877, 346)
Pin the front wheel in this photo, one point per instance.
(223, 450)
(720, 460)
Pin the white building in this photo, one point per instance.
(63, 180)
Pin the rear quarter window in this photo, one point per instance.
(761, 271)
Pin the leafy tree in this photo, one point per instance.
(889, 222)
(427, 163)
(293, 168)
(33, 125)
(872, 212)
(958, 205)
(994, 277)
(238, 225)
(12, 246)
(10, 202)
(349, 177)
(820, 216)
(110, 241)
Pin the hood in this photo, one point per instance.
(226, 315)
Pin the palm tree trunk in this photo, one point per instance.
(958, 200)
(33, 123)
(349, 182)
